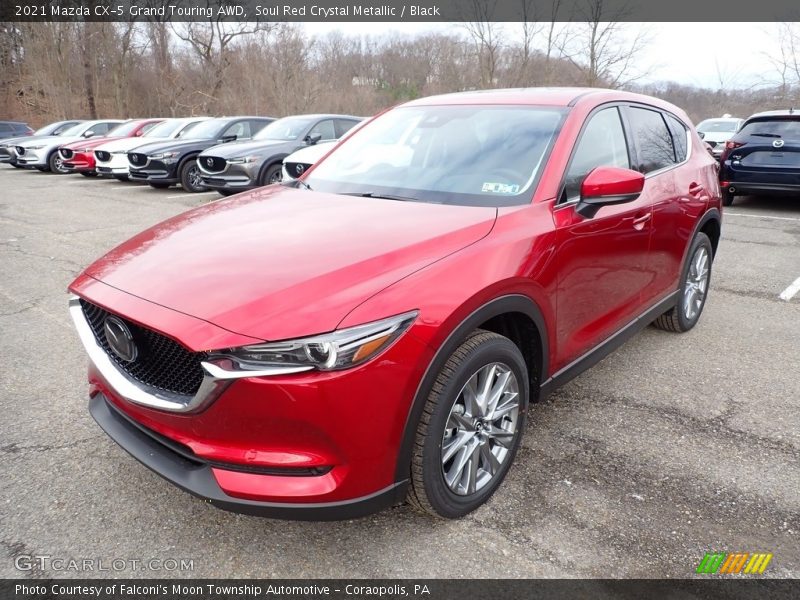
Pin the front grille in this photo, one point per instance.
(19, 150)
(212, 164)
(102, 155)
(297, 169)
(161, 363)
(66, 152)
(137, 158)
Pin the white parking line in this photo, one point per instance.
(188, 195)
(790, 291)
(129, 187)
(732, 214)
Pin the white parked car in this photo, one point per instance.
(112, 158)
(715, 132)
(41, 152)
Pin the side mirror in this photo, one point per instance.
(313, 139)
(138, 133)
(88, 134)
(608, 185)
(228, 138)
(702, 135)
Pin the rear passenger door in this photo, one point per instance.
(603, 261)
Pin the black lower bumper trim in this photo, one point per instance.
(197, 478)
(763, 188)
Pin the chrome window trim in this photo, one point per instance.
(218, 374)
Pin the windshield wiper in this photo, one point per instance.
(383, 196)
(769, 135)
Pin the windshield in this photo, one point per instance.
(124, 129)
(779, 128)
(471, 155)
(206, 130)
(286, 129)
(164, 129)
(713, 126)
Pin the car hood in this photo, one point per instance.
(128, 143)
(311, 154)
(174, 146)
(15, 141)
(259, 148)
(38, 140)
(91, 143)
(279, 263)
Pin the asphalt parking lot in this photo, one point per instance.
(674, 446)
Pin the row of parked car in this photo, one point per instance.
(227, 154)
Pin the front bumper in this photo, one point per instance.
(200, 478)
(238, 177)
(155, 172)
(118, 165)
(79, 162)
(31, 159)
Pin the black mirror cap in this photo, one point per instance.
(313, 139)
(588, 207)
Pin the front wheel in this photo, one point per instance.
(471, 426)
(271, 175)
(56, 164)
(695, 280)
(190, 177)
(727, 198)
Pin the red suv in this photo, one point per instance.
(376, 331)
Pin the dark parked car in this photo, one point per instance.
(9, 156)
(165, 163)
(243, 166)
(9, 129)
(763, 157)
(376, 330)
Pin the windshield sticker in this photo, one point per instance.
(500, 188)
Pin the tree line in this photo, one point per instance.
(51, 71)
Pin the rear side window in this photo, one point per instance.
(602, 144)
(5, 128)
(678, 131)
(653, 140)
(257, 125)
(343, 126)
(777, 128)
(20, 128)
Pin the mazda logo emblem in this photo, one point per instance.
(210, 162)
(778, 143)
(300, 169)
(120, 339)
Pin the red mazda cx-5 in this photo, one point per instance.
(377, 330)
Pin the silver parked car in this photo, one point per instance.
(715, 132)
(41, 152)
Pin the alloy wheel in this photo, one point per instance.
(195, 181)
(694, 292)
(481, 428)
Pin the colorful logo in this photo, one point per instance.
(735, 562)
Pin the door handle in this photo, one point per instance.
(696, 190)
(640, 222)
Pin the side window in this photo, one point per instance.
(148, 127)
(343, 126)
(653, 140)
(325, 129)
(241, 129)
(257, 125)
(5, 130)
(678, 131)
(602, 144)
(101, 128)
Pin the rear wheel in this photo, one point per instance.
(695, 280)
(727, 198)
(471, 426)
(271, 175)
(56, 164)
(190, 177)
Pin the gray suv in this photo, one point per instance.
(238, 166)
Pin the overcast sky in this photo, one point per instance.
(690, 53)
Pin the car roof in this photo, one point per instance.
(776, 113)
(544, 96)
(325, 116)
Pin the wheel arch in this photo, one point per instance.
(275, 159)
(711, 225)
(514, 316)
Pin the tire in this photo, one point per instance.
(160, 186)
(190, 177)
(727, 198)
(121, 177)
(445, 427)
(16, 166)
(272, 174)
(55, 164)
(89, 173)
(685, 314)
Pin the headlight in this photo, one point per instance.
(340, 349)
(242, 160)
(165, 155)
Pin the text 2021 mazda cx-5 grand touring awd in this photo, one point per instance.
(376, 330)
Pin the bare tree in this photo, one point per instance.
(486, 38)
(87, 54)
